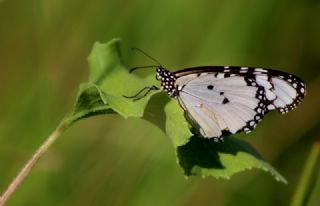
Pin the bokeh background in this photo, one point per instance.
(108, 160)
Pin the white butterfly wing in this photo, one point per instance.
(219, 104)
(234, 99)
(209, 125)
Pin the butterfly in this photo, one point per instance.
(224, 100)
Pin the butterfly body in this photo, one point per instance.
(225, 100)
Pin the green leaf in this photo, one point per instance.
(89, 102)
(109, 80)
(177, 127)
(204, 157)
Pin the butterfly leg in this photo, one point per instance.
(137, 95)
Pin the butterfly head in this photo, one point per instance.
(168, 80)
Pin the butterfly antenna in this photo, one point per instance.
(147, 55)
(135, 68)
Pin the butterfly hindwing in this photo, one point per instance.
(225, 104)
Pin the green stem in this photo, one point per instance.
(23, 173)
(314, 198)
(300, 194)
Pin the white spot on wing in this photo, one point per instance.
(244, 70)
(271, 107)
(262, 80)
(220, 75)
(260, 70)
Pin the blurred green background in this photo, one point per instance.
(107, 160)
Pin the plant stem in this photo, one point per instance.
(305, 179)
(32, 161)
